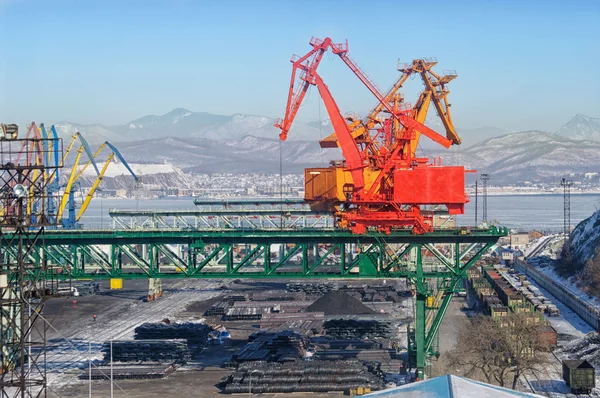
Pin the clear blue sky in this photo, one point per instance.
(521, 64)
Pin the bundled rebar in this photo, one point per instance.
(361, 329)
(196, 333)
(147, 351)
(301, 376)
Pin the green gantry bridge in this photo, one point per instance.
(434, 262)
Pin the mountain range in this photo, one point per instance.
(208, 143)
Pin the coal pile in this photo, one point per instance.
(195, 333)
(358, 329)
(587, 347)
(272, 347)
(147, 351)
(302, 376)
(339, 303)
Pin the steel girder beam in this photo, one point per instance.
(241, 218)
(263, 254)
(218, 254)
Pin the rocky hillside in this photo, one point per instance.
(581, 255)
(584, 242)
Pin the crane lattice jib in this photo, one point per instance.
(403, 116)
(308, 63)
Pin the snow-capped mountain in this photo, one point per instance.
(182, 123)
(581, 127)
(529, 155)
(247, 155)
(93, 133)
(205, 142)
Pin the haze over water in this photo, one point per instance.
(543, 212)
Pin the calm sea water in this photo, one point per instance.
(515, 211)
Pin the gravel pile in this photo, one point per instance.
(339, 303)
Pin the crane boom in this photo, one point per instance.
(93, 159)
(122, 159)
(92, 190)
(354, 160)
(88, 151)
(306, 64)
(65, 198)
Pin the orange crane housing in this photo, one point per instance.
(381, 182)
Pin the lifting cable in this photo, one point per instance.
(281, 183)
(321, 133)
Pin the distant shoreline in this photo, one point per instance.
(277, 198)
(531, 193)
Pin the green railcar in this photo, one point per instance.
(579, 375)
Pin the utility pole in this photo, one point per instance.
(90, 369)
(111, 371)
(476, 188)
(484, 180)
(566, 184)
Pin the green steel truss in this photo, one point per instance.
(432, 262)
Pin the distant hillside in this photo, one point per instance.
(247, 155)
(528, 155)
(581, 127)
(204, 142)
(182, 123)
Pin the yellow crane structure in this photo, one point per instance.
(68, 200)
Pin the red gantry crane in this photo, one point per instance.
(380, 183)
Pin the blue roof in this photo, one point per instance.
(450, 386)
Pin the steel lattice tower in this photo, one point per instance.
(566, 184)
(24, 212)
(484, 179)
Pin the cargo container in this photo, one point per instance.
(579, 375)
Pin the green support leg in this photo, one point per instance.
(421, 295)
